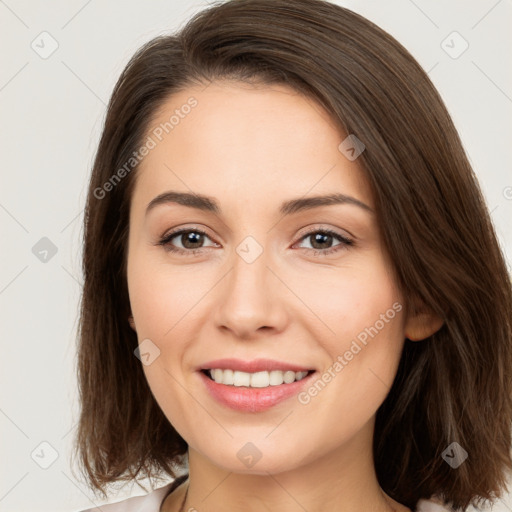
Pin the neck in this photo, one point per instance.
(343, 479)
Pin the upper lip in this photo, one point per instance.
(253, 366)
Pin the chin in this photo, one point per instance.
(253, 459)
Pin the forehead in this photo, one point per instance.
(246, 142)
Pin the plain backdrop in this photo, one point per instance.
(59, 63)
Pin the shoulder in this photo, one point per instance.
(431, 506)
(148, 503)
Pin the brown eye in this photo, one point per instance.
(191, 241)
(320, 238)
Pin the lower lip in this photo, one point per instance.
(247, 399)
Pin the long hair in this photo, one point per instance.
(453, 387)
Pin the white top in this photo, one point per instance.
(153, 501)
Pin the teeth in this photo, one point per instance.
(276, 378)
(241, 378)
(255, 380)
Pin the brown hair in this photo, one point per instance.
(455, 386)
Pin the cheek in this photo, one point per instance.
(160, 296)
(353, 300)
(162, 300)
(367, 316)
(364, 313)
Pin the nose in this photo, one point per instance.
(251, 299)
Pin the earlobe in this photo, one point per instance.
(422, 325)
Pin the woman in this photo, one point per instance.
(294, 298)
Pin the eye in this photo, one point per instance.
(191, 240)
(322, 237)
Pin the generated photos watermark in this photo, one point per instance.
(304, 397)
(157, 134)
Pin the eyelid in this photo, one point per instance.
(165, 239)
(302, 233)
(345, 241)
(179, 229)
(322, 227)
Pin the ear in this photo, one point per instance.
(131, 321)
(422, 324)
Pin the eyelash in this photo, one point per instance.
(165, 241)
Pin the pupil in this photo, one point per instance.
(321, 238)
(192, 237)
(196, 238)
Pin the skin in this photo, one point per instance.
(251, 148)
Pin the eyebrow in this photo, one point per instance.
(209, 204)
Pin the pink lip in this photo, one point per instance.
(256, 365)
(247, 399)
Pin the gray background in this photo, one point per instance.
(52, 111)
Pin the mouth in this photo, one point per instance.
(263, 379)
(253, 386)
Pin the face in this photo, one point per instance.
(294, 307)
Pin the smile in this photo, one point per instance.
(262, 379)
(253, 386)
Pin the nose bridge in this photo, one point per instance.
(249, 275)
(251, 297)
